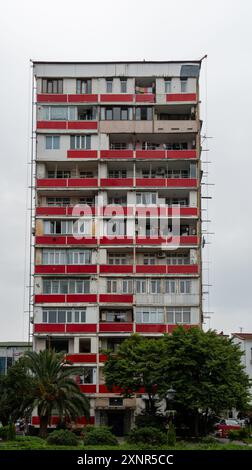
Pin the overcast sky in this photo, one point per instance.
(137, 30)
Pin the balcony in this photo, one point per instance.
(56, 210)
(63, 240)
(116, 98)
(116, 154)
(64, 98)
(82, 358)
(116, 268)
(116, 327)
(169, 127)
(116, 298)
(88, 154)
(65, 328)
(181, 97)
(167, 182)
(167, 269)
(122, 182)
(115, 127)
(151, 328)
(67, 125)
(65, 298)
(66, 269)
(67, 182)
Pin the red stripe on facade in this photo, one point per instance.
(51, 125)
(85, 98)
(89, 358)
(183, 269)
(123, 182)
(145, 98)
(49, 328)
(116, 154)
(50, 269)
(49, 240)
(81, 327)
(81, 268)
(82, 125)
(51, 210)
(46, 298)
(81, 298)
(116, 241)
(181, 154)
(152, 269)
(82, 154)
(151, 328)
(116, 327)
(82, 182)
(83, 241)
(122, 268)
(114, 98)
(51, 182)
(51, 98)
(181, 97)
(153, 154)
(112, 298)
(87, 388)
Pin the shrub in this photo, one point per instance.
(8, 433)
(99, 435)
(62, 438)
(171, 435)
(150, 421)
(147, 435)
(238, 434)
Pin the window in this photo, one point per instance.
(59, 174)
(111, 286)
(117, 258)
(64, 316)
(115, 401)
(53, 257)
(167, 85)
(109, 85)
(141, 286)
(52, 142)
(59, 345)
(116, 316)
(80, 142)
(118, 146)
(127, 286)
(54, 227)
(79, 256)
(88, 375)
(155, 286)
(170, 287)
(179, 315)
(58, 201)
(144, 114)
(52, 85)
(86, 174)
(117, 113)
(117, 174)
(116, 227)
(123, 82)
(149, 259)
(184, 287)
(59, 113)
(117, 200)
(66, 286)
(146, 198)
(183, 85)
(149, 315)
(180, 259)
(83, 86)
(85, 345)
(89, 200)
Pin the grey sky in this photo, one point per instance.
(136, 30)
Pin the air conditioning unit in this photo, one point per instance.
(161, 254)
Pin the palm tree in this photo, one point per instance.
(54, 388)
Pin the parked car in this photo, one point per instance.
(225, 425)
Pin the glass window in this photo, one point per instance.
(108, 114)
(183, 85)
(140, 286)
(52, 85)
(59, 113)
(44, 316)
(83, 86)
(184, 287)
(80, 142)
(167, 85)
(111, 286)
(116, 113)
(123, 86)
(170, 287)
(52, 316)
(127, 286)
(52, 142)
(76, 316)
(69, 316)
(61, 316)
(155, 286)
(109, 85)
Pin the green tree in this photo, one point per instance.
(206, 371)
(54, 388)
(15, 393)
(136, 365)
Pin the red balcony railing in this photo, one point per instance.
(119, 327)
(122, 182)
(116, 268)
(82, 154)
(67, 125)
(181, 97)
(86, 358)
(65, 327)
(64, 298)
(66, 269)
(67, 182)
(116, 298)
(116, 154)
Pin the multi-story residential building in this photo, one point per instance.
(115, 139)
(245, 342)
(10, 352)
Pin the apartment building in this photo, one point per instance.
(244, 340)
(117, 212)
